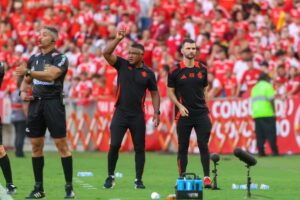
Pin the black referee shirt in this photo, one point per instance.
(132, 84)
(37, 62)
(189, 84)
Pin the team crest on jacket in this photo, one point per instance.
(144, 74)
(199, 75)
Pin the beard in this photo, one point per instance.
(190, 56)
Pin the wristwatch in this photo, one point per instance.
(28, 72)
(157, 112)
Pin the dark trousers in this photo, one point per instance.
(136, 124)
(20, 127)
(265, 130)
(202, 127)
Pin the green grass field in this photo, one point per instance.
(282, 174)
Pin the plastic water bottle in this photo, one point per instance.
(180, 184)
(198, 184)
(253, 186)
(119, 175)
(82, 174)
(264, 187)
(235, 186)
(243, 187)
(189, 184)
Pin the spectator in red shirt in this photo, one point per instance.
(293, 83)
(163, 80)
(229, 83)
(174, 40)
(214, 86)
(205, 46)
(149, 45)
(219, 24)
(125, 21)
(98, 84)
(249, 78)
(103, 19)
(280, 80)
(159, 28)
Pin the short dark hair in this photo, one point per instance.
(206, 34)
(166, 68)
(187, 40)
(264, 77)
(51, 29)
(138, 46)
(279, 53)
(246, 50)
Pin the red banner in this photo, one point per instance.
(232, 127)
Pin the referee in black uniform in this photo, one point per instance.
(46, 71)
(187, 83)
(4, 160)
(134, 78)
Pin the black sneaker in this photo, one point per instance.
(139, 184)
(37, 193)
(69, 192)
(11, 189)
(109, 182)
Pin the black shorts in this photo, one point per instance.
(46, 113)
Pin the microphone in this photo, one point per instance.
(215, 157)
(245, 157)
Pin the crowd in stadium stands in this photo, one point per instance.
(237, 39)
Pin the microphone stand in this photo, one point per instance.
(248, 182)
(214, 171)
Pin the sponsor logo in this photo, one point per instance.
(183, 77)
(38, 82)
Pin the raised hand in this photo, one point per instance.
(121, 33)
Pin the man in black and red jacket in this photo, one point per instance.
(187, 83)
(134, 78)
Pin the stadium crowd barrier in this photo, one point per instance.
(88, 125)
(232, 126)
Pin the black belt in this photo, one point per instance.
(46, 98)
